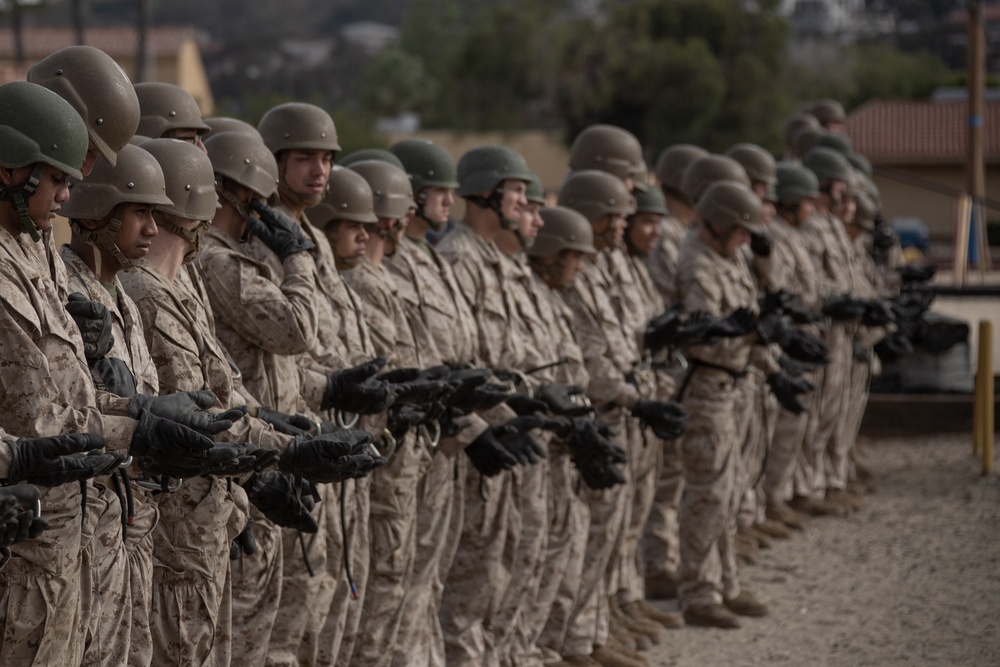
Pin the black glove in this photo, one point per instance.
(248, 458)
(559, 399)
(356, 389)
(666, 418)
(331, 457)
(284, 500)
(802, 315)
(245, 543)
(523, 404)
(285, 423)
(878, 313)
(115, 376)
(164, 447)
(843, 308)
(277, 231)
(669, 329)
(18, 521)
(911, 273)
(187, 408)
(884, 238)
(404, 417)
(56, 460)
(94, 321)
(860, 354)
(738, 323)
(803, 347)
(421, 392)
(524, 448)
(787, 389)
(760, 245)
(590, 444)
(794, 367)
(774, 328)
(893, 347)
(475, 392)
(400, 375)
(601, 476)
(488, 454)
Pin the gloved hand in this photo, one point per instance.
(115, 376)
(297, 424)
(56, 460)
(893, 347)
(284, 500)
(911, 273)
(670, 329)
(331, 457)
(248, 458)
(404, 417)
(794, 367)
(802, 315)
(666, 418)
(524, 448)
(803, 347)
(187, 408)
(774, 328)
(488, 454)
(523, 404)
(600, 476)
(878, 312)
(357, 390)
(474, 392)
(164, 447)
(400, 375)
(860, 354)
(18, 521)
(884, 238)
(421, 392)
(843, 308)
(760, 245)
(559, 399)
(787, 390)
(590, 444)
(773, 301)
(277, 231)
(245, 542)
(94, 321)
(738, 323)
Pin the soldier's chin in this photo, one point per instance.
(311, 198)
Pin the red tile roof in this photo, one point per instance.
(907, 132)
(117, 41)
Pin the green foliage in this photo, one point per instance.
(396, 81)
(882, 71)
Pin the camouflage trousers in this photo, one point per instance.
(139, 550)
(440, 511)
(787, 445)
(761, 421)
(256, 593)
(660, 542)
(646, 462)
(839, 454)
(711, 450)
(569, 518)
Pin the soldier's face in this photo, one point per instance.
(137, 230)
(571, 261)
(52, 192)
(189, 135)
(739, 236)
(307, 173)
(644, 231)
(530, 221)
(90, 159)
(351, 241)
(806, 208)
(513, 199)
(437, 204)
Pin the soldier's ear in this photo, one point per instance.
(6, 176)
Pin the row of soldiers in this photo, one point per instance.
(256, 417)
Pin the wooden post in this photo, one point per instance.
(986, 370)
(976, 65)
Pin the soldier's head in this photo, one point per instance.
(169, 112)
(643, 229)
(303, 139)
(864, 217)
(220, 124)
(112, 209)
(371, 154)
(793, 124)
(832, 170)
(494, 179)
(100, 91)
(761, 170)
(729, 212)
(245, 169)
(797, 189)
(529, 221)
(432, 173)
(393, 199)
(561, 245)
(611, 149)
(603, 200)
(190, 179)
(805, 138)
(702, 172)
(43, 142)
(830, 114)
(670, 166)
(347, 216)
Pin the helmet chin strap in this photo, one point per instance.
(18, 196)
(494, 202)
(421, 199)
(193, 236)
(106, 237)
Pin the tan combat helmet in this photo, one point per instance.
(371, 154)
(608, 148)
(240, 160)
(220, 124)
(165, 107)
(390, 187)
(758, 163)
(298, 126)
(672, 162)
(136, 178)
(827, 111)
(348, 198)
(100, 91)
(729, 204)
(595, 194)
(564, 229)
(704, 171)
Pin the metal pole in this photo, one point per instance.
(142, 54)
(986, 369)
(976, 64)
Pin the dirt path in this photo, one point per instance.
(911, 580)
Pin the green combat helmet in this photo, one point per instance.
(100, 91)
(167, 107)
(704, 171)
(190, 181)
(481, 173)
(136, 178)
(864, 216)
(796, 183)
(651, 201)
(758, 163)
(827, 164)
(861, 163)
(608, 148)
(730, 204)
(564, 229)
(428, 166)
(348, 198)
(37, 127)
(220, 124)
(805, 139)
(364, 154)
(535, 193)
(837, 141)
(298, 126)
(671, 164)
(240, 160)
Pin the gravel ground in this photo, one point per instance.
(912, 579)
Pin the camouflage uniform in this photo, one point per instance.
(612, 359)
(662, 262)
(137, 550)
(46, 389)
(491, 527)
(393, 488)
(446, 332)
(709, 282)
